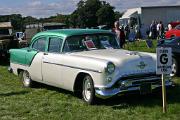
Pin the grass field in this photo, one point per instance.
(49, 103)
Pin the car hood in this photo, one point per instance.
(125, 61)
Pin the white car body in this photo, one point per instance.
(63, 70)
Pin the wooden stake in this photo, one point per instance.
(164, 95)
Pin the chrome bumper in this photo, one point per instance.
(107, 93)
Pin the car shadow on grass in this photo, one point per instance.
(52, 88)
(13, 93)
(133, 100)
(149, 100)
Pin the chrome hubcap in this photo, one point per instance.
(87, 89)
(26, 78)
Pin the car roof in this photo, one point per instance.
(70, 32)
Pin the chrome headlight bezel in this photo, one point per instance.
(110, 68)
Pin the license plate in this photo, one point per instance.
(145, 88)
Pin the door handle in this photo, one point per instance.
(45, 53)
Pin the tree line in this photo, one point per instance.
(89, 13)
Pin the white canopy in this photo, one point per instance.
(131, 13)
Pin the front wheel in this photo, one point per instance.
(88, 92)
(26, 79)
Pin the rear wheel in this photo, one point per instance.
(26, 79)
(88, 92)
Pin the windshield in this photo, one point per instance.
(91, 42)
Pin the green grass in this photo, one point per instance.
(141, 46)
(49, 103)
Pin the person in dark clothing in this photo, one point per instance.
(153, 30)
(127, 31)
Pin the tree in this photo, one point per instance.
(118, 15)
(73, 22)
(106, 15)
(91, 13)
(29, 20)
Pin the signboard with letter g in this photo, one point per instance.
(164, 61)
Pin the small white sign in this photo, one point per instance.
(164, 61)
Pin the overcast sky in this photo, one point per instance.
(45, 8)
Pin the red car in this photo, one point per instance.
(174, 32)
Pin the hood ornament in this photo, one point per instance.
(141, 65)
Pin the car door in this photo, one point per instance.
(35, 69)
(51, 63)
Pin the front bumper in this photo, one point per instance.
(109, 92)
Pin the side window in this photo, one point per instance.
(40, 44)
(55, 44)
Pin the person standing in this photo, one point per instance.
(137, 32)
(160, 29)
(153, 30)
(119, 33)
(127, 31)
(169, 26)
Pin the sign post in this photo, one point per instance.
(163, 67)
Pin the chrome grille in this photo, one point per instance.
(139, 79)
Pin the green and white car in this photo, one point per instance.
(88, 62)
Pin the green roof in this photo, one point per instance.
(70, 32)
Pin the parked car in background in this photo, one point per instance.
(88, 62)
(174, 24)
(175, 32)
(6, 39)
(173, 43)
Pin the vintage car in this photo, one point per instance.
(175, 32)
(88, 62)
(173, 43)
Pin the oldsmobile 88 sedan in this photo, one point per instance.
(88, 62)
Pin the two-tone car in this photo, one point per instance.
(88, 62)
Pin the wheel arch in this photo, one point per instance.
(79, 81)
(172, 36)
(19, 71)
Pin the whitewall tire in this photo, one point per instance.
(88, 92)
(26, 79)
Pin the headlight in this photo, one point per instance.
(110, 68)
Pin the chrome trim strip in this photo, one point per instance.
(143, 79)
(73, 67)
